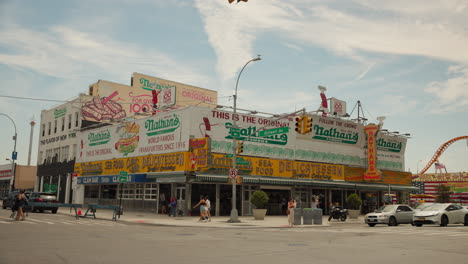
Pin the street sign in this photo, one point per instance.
(229, 155)
(235, 132)
(14, 155)
(274, 131)
(233, 173)
(123, 176)
(241, 161)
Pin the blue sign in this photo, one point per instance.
(108, 179)
(14, 155)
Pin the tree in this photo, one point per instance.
(443, 194)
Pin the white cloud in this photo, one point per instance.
(452, 93)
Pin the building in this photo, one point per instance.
(106, 103)
(427, 187)
(24, 178)
(186, 152)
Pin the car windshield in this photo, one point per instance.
(423, 205)
(386, 209)
(435, 207)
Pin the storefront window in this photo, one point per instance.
(151, 191)
(139, 190)
(128, 191)
(91, 191)
(109, 191)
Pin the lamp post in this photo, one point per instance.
(13, 155)
(417, 167)
(234, 215)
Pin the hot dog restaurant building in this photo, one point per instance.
(187, 152)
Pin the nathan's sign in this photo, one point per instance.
(372, 173)
(162, 126)
(60, 112)
(335, 131)
(99, 137)
(151, 163)
(158, 134)
(251, 134)
(220, 163)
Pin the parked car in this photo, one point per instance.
(421, 206)
(441, 214)
(42, 197)
(392, 215)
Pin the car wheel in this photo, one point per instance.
(54, 211)
(371, 225)
(444, 220)
(4, 207)
(466, 220)
(418, 225)
(41, 210)
(392, 221)
(412, 223)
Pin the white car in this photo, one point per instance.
(392, 215)
(441, 214)
(421, 206)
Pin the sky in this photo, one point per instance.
(405, 60)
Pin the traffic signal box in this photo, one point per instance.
(300, 124)
(238, 180)
(307, 121)
(303, 124)
(240, 147)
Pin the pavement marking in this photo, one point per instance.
(34, 220)
(6, 222)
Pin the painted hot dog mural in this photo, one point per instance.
(129, 138)
(102, 109)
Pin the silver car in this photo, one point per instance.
(392, 215)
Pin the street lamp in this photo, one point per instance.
(234, 215)
(13, 155)
(417, 167)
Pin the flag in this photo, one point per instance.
(430, 188)
(439, 166)
(420, 186)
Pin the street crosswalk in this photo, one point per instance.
(413, 231)
(61, 221)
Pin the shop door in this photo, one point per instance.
(302, 198)
(247, 206)
(181, 201)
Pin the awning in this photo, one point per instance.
(167, 177)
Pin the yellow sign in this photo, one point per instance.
(220, 163)
(461, 176)
(372, 172)
(152, 163)
(199, 151)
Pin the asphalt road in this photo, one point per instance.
(48, 238)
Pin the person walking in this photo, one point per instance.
(173, 207)
(208, 208)
(291, 206)
(202, 204)
(21, 201)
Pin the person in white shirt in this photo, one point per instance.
(208, 208)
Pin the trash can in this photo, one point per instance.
(307, 214)
(317, 216)
(297, 216)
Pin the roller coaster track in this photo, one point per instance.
(439, 152)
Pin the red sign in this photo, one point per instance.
(233, 173)
(372, 173)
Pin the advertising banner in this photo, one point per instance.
(221, 163)
(152, 163)
(388, 177)
(456, 177)
(5, 172)
(337, 107)
(173, 92)
(200, 150)
(161, 133)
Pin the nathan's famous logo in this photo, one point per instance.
(129, 138)
(162, 126)
(251, 134)
(147, 85)
(332, 134)
(384, 145)
(99, 138)
(60, 112)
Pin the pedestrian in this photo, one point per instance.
(173, 207)
(208, 208)
(314, 202)
(202, 204)
(163, 202)
(21, 202)
(291, 206)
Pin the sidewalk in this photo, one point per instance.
(216, 222)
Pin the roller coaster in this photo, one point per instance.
(439, 152)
